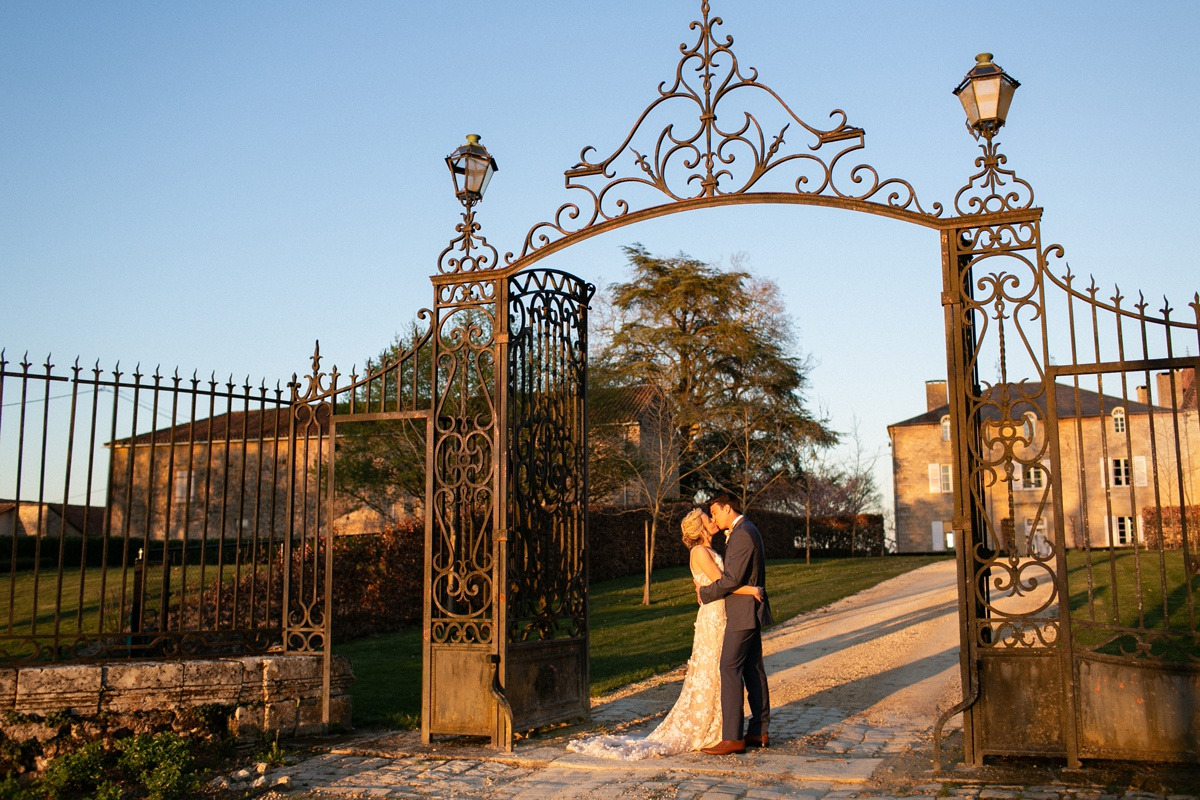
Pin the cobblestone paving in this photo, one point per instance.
(817, 753)
(821, 755)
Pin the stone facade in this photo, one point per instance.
(264, 695)
(1121, 460)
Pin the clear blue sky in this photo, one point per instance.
(216, 185)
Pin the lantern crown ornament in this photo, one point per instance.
(986, 93)
(471, 167)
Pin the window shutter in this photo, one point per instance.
(935, 478)
(1104, 476)
(1139, 470)
(1018, 475)
(938, 535)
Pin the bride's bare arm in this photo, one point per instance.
(701, 558)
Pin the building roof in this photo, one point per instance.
(1090, 404)
(606, 406)
(269, 423)
(75, 515)
(619, 404)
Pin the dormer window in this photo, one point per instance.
(1030, 425)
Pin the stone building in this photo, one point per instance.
(226, 476)
(29, 518)
(1125, 463)
(222, 477)
(629, 431)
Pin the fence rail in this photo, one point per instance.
(150, 515)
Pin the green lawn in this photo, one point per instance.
(113, 593)
(1143, 590)
(629, 641)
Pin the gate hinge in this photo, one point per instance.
(948, 298)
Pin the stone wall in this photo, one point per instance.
(263, 695)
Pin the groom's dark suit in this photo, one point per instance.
(741, 652)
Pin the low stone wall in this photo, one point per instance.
(262, 695)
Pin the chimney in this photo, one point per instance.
(1185, 389)
(1143, 395)
(1163, 381)
(935, 395)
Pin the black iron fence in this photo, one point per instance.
(152, 515)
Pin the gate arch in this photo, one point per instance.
(499, 433)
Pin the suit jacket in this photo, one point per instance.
(745, 565)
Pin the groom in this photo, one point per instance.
(741, 652)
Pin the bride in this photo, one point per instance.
(695, 720)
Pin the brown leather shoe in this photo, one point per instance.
(725, 747)
(758, 741)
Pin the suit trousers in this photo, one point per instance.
(742, 668)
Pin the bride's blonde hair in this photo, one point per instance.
(693, 528)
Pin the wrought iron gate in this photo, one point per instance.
(1048, 506)
(506, 577)
(546, 626)
(1075, 424)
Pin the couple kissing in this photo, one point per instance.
(726, 665)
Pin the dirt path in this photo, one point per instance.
(882, 657)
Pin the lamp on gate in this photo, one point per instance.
(986, 93)
(472, 167)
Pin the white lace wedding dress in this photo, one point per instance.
(695, 719)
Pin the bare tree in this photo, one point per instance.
(860, 492)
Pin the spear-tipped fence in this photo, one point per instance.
(145, 515)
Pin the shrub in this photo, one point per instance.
(79, 770)
(159, 766)
(160, 762)
(1164, 526)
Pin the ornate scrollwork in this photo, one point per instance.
(699, 157)
(993, 189)
(1001, 237)
(1013, 633)
(1136, 644)
(548, 359)
(317, 384)
(476, 253)
(466, 293)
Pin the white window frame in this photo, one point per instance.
(1119, 472)
(1118, 420)
(1033, 478)
(1029, 425)
(940, 479)
(1124, 530)
(946, 429)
